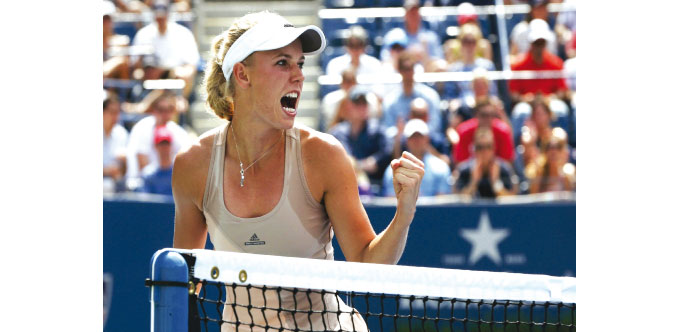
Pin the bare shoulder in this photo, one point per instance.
(192, 163)
(196, 152)
(322, 147)
(325, 162)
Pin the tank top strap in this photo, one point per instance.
(300, 180)
(216, 161)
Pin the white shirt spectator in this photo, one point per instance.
(367, 65)
(175, 48)
(115, 144)
(141, 141)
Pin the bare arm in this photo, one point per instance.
(190, 227)
(350, 221)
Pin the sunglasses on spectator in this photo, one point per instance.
(360, 101)
(469, 41)
(555, 146)
(406, 68)
(481, 147)
(355, 46)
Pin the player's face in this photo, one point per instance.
(276, 79)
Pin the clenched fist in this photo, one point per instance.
(408, 172)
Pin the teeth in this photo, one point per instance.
(288, 109)
(292, 95)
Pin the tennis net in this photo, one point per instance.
(248, 292)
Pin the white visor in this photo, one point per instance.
(270, 35)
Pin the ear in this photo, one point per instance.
(240, 74)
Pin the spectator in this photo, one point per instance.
(541, 122)
(115, 140)
(175, 53)
(425, 44)
(519, 37)
(362, 137)
(437, 145)
(537, 58)
(437, 173)
(452, 47)
(526, 159)
(116, 64)
(565, 28)
(397, 103)
(554, 172)
(461, 109)
(356, 57)
(395, 42)
(487, 115)
(485, 175)
(141, 142)
(470, 35)
(334, 104)
(158, 180)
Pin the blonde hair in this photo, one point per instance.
(220, 95)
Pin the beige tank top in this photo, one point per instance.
(297, 226)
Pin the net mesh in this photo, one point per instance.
(218, 307)
(286, 296)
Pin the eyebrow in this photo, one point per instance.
(287, 56)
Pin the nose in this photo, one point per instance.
(297, 74)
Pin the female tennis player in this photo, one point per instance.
(262, 184)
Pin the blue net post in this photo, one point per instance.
(169, 303)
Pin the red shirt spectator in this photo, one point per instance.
(545, 86)
(537, 58)
(502, 135)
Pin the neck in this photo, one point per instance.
(108, 128)
(252, 140)
(355, 60)
(537, 57)
(165, 161)
(356, 125)
(162, 28)
(408, 87)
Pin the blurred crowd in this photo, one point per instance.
(483, 137)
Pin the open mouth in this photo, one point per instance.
(289, 102)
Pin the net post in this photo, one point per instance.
(169, 303)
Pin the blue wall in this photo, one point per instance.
(525, 238)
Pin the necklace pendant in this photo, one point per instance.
(243, 178)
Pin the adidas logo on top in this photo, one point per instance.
(254, 241)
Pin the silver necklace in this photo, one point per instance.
(240, 163)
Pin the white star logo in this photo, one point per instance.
(484, 240)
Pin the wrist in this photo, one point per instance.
(403, 217)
